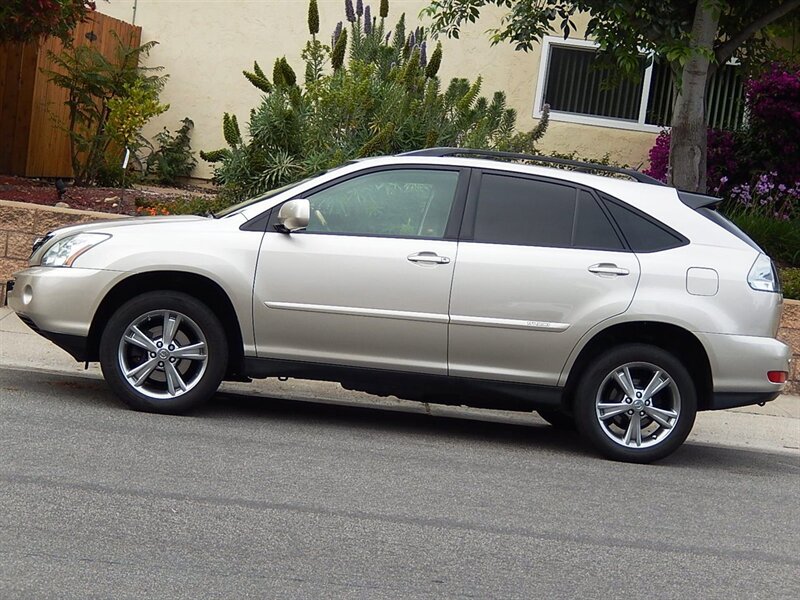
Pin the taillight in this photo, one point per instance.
(763, 275)
(777, 376)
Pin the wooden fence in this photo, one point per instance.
(33, 142)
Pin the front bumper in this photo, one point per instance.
(739, 366)
(60, 303)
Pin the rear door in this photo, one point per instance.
(539, 263)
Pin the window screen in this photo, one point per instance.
(593, 230)
(525, 212)
(576, 85)
(642, 235)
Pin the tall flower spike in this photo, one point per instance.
(349, 13)
(313, 17)
(339, 50)
(383, 11)
(336, 33)
(359, 7)
(423, 54)
(367, 20)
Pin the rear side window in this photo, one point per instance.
(643, 235)
(524, 212)
(593, 230)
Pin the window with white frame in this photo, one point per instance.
(575, 89)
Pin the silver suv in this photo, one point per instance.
(620, 307)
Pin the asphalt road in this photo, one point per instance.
(275, 499)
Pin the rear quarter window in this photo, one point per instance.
(643, 233)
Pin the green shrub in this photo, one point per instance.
(372, 91)
(790, 279)
(779, 238)
(174, 157)
(109, 101)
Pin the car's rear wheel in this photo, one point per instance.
(636, 403)
(164, 352)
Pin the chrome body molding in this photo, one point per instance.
(354, 311)
(509, 323)
(405, 315)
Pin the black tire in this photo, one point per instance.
(199, 370)
(614, 433)
(558, 419)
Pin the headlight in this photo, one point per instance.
(64, 252)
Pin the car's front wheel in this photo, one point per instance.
(636, 403)
(163, 351)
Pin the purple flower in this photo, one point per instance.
(423, 54)
(411, 40)
(367, 20)
(359, 8)
(349, 13)
(336, 33)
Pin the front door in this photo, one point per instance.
(368, 283)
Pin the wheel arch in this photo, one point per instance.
(680, 342)
(199, 286)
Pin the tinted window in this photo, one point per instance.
(403, 202)
(592, 228)
(525, 212)
(642, 235)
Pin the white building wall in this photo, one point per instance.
(205, 44)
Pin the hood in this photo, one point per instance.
(43, 244)
(115, 223)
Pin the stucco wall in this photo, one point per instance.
(204, 46)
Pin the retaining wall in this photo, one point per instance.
(22, 223)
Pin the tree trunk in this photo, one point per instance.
(687, 153)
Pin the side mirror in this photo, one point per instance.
(293, 216)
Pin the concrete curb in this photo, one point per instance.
(773, 428)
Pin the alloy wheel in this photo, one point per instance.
(163, 354)
(638, 405)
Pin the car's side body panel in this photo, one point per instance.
(517, 311)
(353, 300)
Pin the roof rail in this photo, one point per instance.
(576, 164)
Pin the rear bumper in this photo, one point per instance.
(739, 367)
(721, 400)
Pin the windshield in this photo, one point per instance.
(270, 194)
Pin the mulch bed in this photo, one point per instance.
(109, 200)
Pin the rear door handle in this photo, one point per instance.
(608, 269)
(428, 257)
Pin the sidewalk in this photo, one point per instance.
(774, 427)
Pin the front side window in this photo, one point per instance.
(411, 203)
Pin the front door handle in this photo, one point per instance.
(608, 269)
(428, 257)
